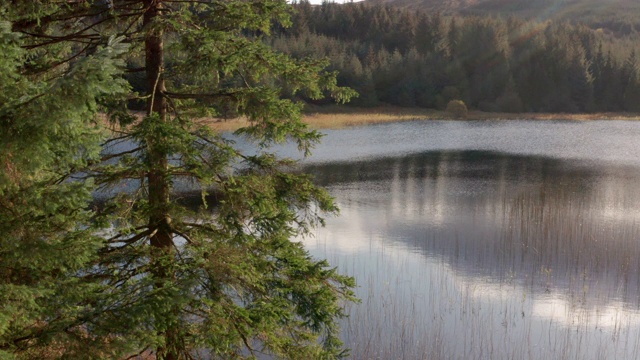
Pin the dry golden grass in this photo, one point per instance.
(335, 117)
(225, 125)
(368, 116)
(479, 115)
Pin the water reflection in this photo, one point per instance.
(480, 254)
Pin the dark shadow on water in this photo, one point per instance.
(476, 164)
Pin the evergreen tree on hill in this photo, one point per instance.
(489, 62)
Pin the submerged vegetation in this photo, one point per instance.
(486, 254)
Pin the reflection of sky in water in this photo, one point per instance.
(478, 254)
(485, 239)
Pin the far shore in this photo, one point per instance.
(335, 117)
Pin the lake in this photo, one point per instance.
(486, 239)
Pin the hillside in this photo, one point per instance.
(620, 17)
(415, 58)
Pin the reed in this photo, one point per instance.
(336, 117)
(539, 274)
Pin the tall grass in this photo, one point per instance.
(523, 267)
(335, 117)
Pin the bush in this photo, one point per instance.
(457, 109)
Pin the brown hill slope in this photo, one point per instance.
(622, 17)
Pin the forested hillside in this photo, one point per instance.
(621, 17)
(416, 58)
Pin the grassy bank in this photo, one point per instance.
(332, 117)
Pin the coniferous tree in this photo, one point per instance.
(553, 65)
(150, 275)
(48, 130)
(428, 34)
(632, 89)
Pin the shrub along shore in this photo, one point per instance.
(334, 117)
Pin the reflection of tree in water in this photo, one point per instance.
(556, 225)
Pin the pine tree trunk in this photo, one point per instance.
(159, 185)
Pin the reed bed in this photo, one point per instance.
(548, 278)
(432, 315)
(336, 117)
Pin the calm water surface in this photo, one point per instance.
(486, 240)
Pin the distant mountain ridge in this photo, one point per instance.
(620, 16)
(512, 6)
(445, 6)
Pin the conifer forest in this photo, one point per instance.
(409, 57)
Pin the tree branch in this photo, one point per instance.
(122, 234)
(112, 156)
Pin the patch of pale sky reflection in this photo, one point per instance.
(459, 254)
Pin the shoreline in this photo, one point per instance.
(336, 117)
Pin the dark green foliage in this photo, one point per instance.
(417, 58)
(137, 272)
(47, 129)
